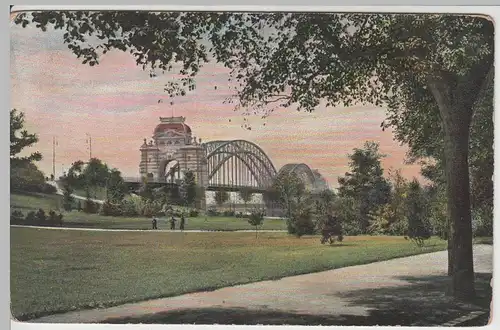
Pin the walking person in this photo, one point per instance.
(172, 223)
(183, 221)
(155, 223)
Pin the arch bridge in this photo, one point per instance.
(224, 164)
(235, 164)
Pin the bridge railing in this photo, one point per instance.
(138, 179)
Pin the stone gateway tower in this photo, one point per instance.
(173, 151)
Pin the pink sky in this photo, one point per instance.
(116, 103)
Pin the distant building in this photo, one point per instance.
(172, 151)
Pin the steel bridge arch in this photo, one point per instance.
(250, 155)
(303, 171)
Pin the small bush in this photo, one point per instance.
(128, 208)
(194, 213)
(17, 217)
(331, 230)
(40, 217)
(110, 209)
(30, 218)
(90, 206)
(151, 208)
(212, 212)
(229, 213)
(55, 219)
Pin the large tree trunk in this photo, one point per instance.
(460, 262)
(456, 118)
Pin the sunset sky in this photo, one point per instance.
(116, 103)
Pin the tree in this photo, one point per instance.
(25, 176)
(21, 139)
(303, 59)
(146, 191)
(290, 191)
(116, 188)
(365, 183)
(256, 219)
(390, 218)
(67, 195)
(75, 175)
(189, 187)
(418, 228)
(246, 195)
(221, 197)
(301, 222)
(96, 173)
(331, 229)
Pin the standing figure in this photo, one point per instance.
(155, 223)
(172, 223)
(183, 221)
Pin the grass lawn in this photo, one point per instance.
(55, 271)
(33, 202)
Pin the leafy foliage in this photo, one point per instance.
(26, 176)
(418, 226)
(189, 187)
(110, 209)
(390, 218)
(116, 188)
(331, 230)
(67, 195)
(16, 217)
(256, 219)
(21, 139)
(365, 183)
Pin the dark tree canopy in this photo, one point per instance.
(20, 139)
(292, 58)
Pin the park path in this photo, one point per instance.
(60, 192)
(351, 291)
(152, 231)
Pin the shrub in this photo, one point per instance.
(110, 209)
(212, 212)
(331, 229)
(40, 217)
(55, 219)
(301, 222)
(151, 208)
(31, 218)
(128, 208)
(194, 213)
(16, 217)
(90, 206)
(228, 213)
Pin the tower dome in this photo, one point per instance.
(172, 124)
